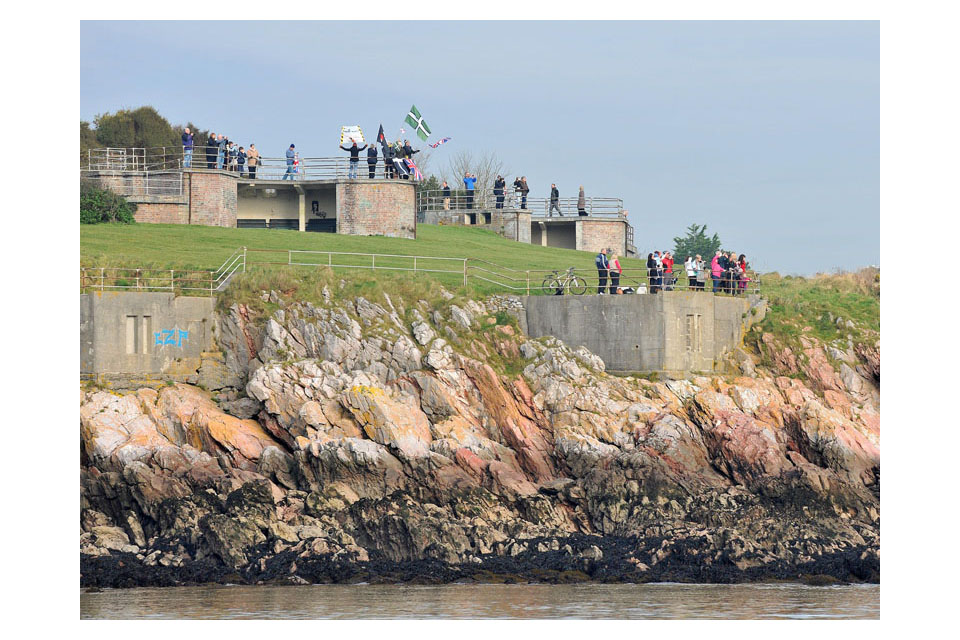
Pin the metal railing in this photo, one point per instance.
(204, 158)
(434, 200)
(137, 183)
(529, 282)
(183, 281)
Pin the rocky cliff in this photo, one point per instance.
(404, 440)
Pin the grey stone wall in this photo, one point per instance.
(144, 333)
(673, 332)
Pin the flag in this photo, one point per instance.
(401, 167)
(414, 119)
(414, 169)
(380, 137)
(439, 142)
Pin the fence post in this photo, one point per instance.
(171, 280)
(373, 262)
(138, 279)
(244, 260)
(465, 271)
(414, 264)
(528, 282)
(101, 279)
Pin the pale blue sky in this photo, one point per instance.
(768, 132)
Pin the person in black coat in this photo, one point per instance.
(652, 273)
(389, 171)
(354, 158)
(372, 160)
(212, 151)
(498, 186)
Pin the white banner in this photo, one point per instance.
(353, 132)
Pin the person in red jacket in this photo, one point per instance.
(615, 271)
(668, 270)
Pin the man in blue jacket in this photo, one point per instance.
(222, 143)
(290, 155)
(603, 268)
(186, 138)
(469, 182)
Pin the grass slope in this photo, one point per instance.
(198, 247)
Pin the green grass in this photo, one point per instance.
(810, 306)
(197, 247)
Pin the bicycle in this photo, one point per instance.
(557, 285)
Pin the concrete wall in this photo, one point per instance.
(674, 331)
(144, 333)
(377, 208)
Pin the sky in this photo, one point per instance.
(767, 132)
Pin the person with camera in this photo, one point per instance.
(498, 186)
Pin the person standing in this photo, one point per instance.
(742, 263)
(524, 190)
(241, 160)
(555, 202)
(372, 160)
(690, 266)
(615, 271)
(388, 153)
(581, 203)
(232, 156)
(211, 151)
(354, 158)
(668, 271)
(446, 196)
(517, 189)
(469, 182)
(186, 139)
(253, 158)
(221, 150)
(498, 186)
(603, 268)
(652, 273)
(701, 273)
(716, 271)
(291, 154)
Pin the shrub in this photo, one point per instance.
(102, 205)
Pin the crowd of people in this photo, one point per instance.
(727, 272)
(222, 153)
(226, 155)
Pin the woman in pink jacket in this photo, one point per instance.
(716, 271)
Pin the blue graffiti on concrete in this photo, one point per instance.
(174, 337)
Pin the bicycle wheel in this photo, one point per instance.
(577, 286)
(550, 286)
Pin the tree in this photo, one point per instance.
(143, 127)
(696, 242)
(486, 166)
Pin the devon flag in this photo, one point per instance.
(415, 120)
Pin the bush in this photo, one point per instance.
(102, 205)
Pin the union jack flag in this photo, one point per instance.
(439, 142)
(414, 169)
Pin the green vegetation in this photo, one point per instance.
(199, 247)
(821, 306)
(696, 242)
(102, 205)
(141, 127)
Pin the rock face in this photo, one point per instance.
(377, 441)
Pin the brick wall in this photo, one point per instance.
(593, 235)
(377, 209)
(213, 198)
(161, 212)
